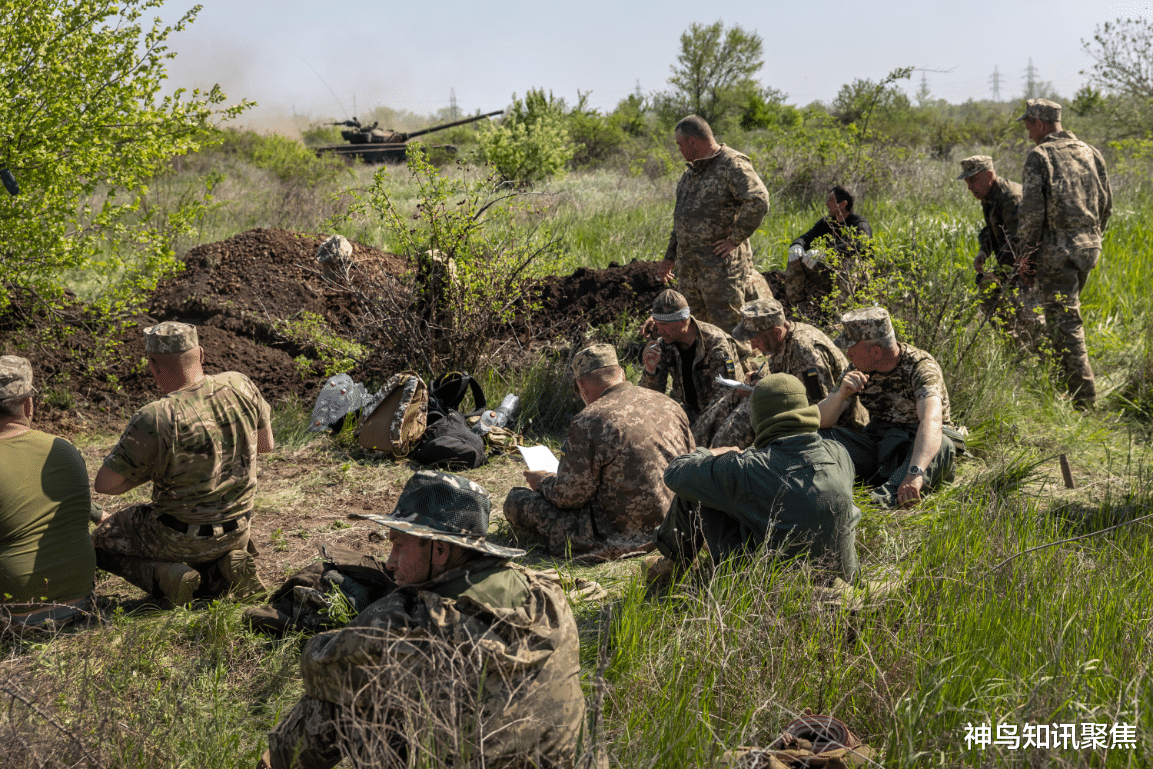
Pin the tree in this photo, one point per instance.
(1123, 71)
(857, 101)
(532, 141)
(715, 69)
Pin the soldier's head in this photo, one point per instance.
(839, 202)
(868, 339)
(596, 369)
(440, 523)
(671, 317)
(16, 390)
(978, 174)
(763, 325)
(175, 356)
(1042, 117)
(694, 138)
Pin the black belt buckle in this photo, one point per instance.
(205, 530)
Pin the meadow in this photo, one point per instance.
(1013, 603)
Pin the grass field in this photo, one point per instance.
(978, 630)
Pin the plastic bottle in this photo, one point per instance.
(500, 416)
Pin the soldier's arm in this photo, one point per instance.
(130, 463)
(747, 187)
(925, 448)
(576, 480)
(820, 229)
(110, 482)
(833, 406)
(659, 378)
(705, 478)
(1107, 199)
(1031, 212)
(265, 442)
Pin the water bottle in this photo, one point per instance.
(498, 417)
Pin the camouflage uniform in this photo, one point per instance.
(198, 447)
(609, 491)
(1065, 206)
(844, 239)
(718, 197)
(714, 356)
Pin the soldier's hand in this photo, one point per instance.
(723, 450)
(909, 492)
(652, 357)
(649, 329)
(853, 383)
(812, 258)
(796, 251)
(534, 477)
(665, 270)
(723, 248)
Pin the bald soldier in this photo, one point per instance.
(608, 495)
(720, 203)
(903, 451)
(198, 446)
(692, 352)
(793, 348)
(1065, 206)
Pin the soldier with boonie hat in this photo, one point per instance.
(904, 450)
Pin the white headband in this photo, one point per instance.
(673, 317)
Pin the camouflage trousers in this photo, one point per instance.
(729, 422)
(1059, 281)
(131, 542)
(716, 288)
(307, 738)
(535, 520)
(881, 456)
(737, 533)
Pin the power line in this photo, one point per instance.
(995, 82)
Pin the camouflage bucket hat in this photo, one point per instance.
(974, 165)
(447, 508)
(593, 358)
(15, 377)
(862, 325)
(757, 317)
(170, 338)
(670, 306)
(1042, 109)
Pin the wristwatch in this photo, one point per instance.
(914, 470)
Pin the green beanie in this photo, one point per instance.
(781, 408)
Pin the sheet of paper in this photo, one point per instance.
(539, 458)
(734, 384)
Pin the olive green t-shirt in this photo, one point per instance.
(45, 549)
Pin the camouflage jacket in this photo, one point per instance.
(1065, 197)
(615, 455)
(892, 396)
(485, 659)
(807, 348)
(718, 197)
(845, 237)
(715, 355)
(198, 447)
(998, 238)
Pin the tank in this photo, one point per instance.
(373, 144)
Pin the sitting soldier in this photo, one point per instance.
(608, 494)
(793, 348)
(826, 251)
(468, 656)
(198, 446)
(46, 559)
(694, 353)
(904, 450)
(793, 490)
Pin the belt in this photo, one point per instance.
(194, 530)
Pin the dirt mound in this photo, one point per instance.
(570, 303)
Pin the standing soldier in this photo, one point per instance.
(720, 203)
(1065, 206)
(693, 353)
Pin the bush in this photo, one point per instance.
(532, 142)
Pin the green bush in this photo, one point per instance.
(286, 159)
(532, 142)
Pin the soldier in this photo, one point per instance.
(810, 271)
(1065, 205)
(720, 203)
(46, 560)
(468, 656)
(694, 353)
(198, 446)
(608, 494)
(903, 451)
(793, 348)
(794, 489)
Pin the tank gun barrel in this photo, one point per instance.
(453, 124)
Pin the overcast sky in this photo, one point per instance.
(292, 56)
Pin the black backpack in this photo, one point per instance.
(448, 443)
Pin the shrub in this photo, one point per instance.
(532, 142)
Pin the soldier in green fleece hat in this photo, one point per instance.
(792, 489)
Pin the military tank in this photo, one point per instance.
(373, 144)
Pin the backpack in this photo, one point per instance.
(448, 441)
(449, 390)
(394, 419)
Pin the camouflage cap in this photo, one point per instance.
(866, 323)
(15, 377)
(975, 165)
(757, 317)
(447, 508)
(670, 306)
(1042, 109)
(169, 338)
(592, 358)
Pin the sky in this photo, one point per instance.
(295, 58)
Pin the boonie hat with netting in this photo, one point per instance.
(445, 507)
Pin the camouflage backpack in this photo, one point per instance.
(393, 420)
